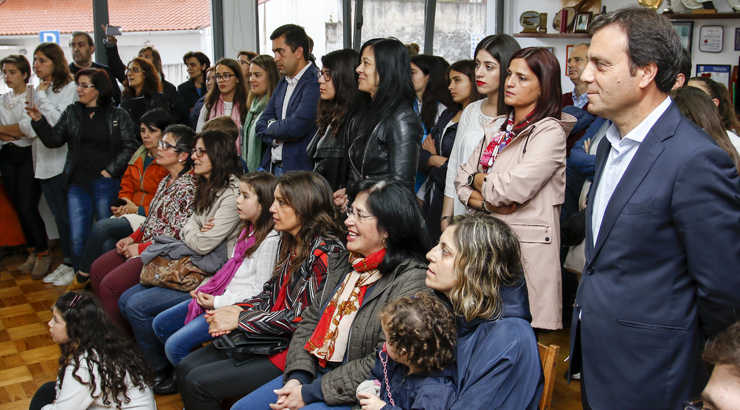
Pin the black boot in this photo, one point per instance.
(168, 386)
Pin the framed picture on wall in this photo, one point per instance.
(737, 39)
(717, 72)
(685, 30)
(567, 53)
(583, 19)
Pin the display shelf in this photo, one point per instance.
(553, 35)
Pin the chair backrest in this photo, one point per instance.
(549, 356)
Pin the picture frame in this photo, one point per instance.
(550, 49)
(583, 20)
(567, 52)
(718, 72)
(711, 39)
(737, 39)
(685, 31)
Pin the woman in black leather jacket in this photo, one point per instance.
(100, 141)
(339, 97)
(142, 91)
(388, 130)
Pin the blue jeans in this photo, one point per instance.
(56, 198)
(178, 338)
(103, 238)
(85, 199)
(261, 399)
(139, 305)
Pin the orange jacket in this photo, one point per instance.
(140, 185)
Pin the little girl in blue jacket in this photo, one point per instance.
(410, 369)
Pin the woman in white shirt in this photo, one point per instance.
(16, 164)
(81, 384)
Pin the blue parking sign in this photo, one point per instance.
(51, 36)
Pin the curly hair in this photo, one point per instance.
(96, 340)
(489, 257)
(423, 328)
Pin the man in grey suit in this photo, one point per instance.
(662, 270)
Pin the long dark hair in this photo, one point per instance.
(220, 150)
(398, 214)
(151, 80)
(393, 69)
(61, 75)
(263, 185)
(546, 67)
(697, 106)
(467, 68)
(436, 90)
(99, 78)
(93, 339)
(240, 92)
(341, 64)
(311, 198)
(501, 47)
(266, 63)
(719, 92)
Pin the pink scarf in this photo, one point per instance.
(217, 285)
(218, 110)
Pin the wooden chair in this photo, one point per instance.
(549, 356)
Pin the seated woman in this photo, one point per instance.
(303, 211)
(477, 266)
(100, 141)
(143, 91)
(518, 173)
(211, 229)
(138, 185)
(119, 269)
(333, 349)
(183, 327)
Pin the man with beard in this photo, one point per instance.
(83, 48)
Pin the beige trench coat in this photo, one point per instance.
(530, 172)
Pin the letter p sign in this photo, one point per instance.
(49, 36)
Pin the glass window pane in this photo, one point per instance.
(458, 27)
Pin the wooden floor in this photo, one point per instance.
(29, 357)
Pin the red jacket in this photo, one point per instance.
(140, 185)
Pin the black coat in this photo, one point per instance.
(391, 151)
(123, 141)
(189, 94)
(137, 107)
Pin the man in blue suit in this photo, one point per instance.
(289, 120)
(662, 271)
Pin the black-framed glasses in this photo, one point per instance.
(164, 146)
(198, 152)
(225, 77)
(326, 75)
(85, 86)
(360, 217)
(695, 404)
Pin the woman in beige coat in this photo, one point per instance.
(518, 174)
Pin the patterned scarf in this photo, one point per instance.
(500, 141)
(329, 340)
(218, 110)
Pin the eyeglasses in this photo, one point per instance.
(85, 86)
(198, 152)
(164, 146)
(326, 75)
(360, 217)
(225, 77)
(695, 404)
(134, 70)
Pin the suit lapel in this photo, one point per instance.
(279, 95)
(601, 152)
(305, 78)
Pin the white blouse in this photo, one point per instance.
(12, 111)
(49, 162)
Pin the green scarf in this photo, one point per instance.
(251, 143)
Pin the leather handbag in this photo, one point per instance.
(179, 275)
(241, 347)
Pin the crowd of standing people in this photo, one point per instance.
(382, 231)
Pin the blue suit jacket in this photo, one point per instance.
(297, 128)
(663, 274)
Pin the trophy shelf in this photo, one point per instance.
(701, 16)
(553, 35)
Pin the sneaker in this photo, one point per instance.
(66, 278)
(58, 272)
(75, 286)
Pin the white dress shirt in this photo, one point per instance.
(619, 158)
(277, 150)
(12, 111)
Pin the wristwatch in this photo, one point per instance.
(483, 205)
(471, 179)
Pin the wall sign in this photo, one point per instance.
(710, 39)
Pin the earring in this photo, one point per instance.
(181, 160)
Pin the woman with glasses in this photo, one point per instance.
(304, 214)
(100, 140)
(339, 97)
(210, 82)
(54, 93)
(138, 186)
(263, 78)
(228, 97)
(142, 91)
(334, 347)
(117, 270)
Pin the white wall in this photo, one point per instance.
(515, 8)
